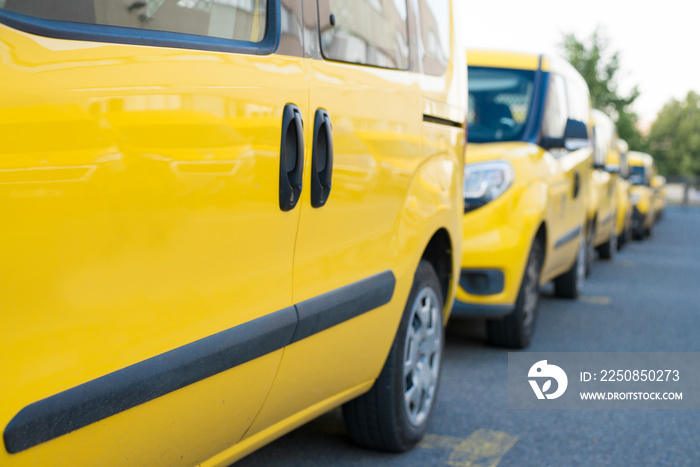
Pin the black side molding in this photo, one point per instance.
(128, 387)
(144, 381)
(327, 310)
(569, 236)
(442, 121)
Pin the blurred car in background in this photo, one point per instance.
(623, 221)
(603, 206)
(658, 183)
(642, 195)
(526, 184)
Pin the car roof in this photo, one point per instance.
(639, 158)
(503, 59)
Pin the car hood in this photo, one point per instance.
(484, 152)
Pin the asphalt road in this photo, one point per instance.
(646, 300)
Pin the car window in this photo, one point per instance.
(499, 103)
(242, 20)
(637, 175)
(435, 35)
(366, 32)
(556, 108)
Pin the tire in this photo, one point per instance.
(623, 238)
(607, 250)
(570, 284)
(395, 413)
(516, 329)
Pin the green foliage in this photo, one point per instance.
(674, 138)
(601, 71)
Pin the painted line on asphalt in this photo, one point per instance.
(483, 448)
(595, 300)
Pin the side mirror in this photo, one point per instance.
(657, 181)
(575, 137)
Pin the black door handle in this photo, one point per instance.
(291, 157)
(577, 184)
(321, 159)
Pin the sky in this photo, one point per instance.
(658, 42)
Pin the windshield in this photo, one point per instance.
(499, 103)
(637, 175)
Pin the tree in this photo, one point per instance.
(674, 138)
(601, 71)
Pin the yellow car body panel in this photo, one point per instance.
(642, 194)
(132, 252)
(624, 207)
(658, 183)
(605, 185)
(503, 59)
(603, 207)
(141, 184)
(499, 235)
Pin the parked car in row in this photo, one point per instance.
(224, 218)
(623, 221)
(658, 183)
(526, 189)
(642, 195)
(603, 206)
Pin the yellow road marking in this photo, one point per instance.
(483, 448)
(595, 300)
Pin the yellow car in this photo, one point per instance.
(603, 206)
(222, 219)
(642, 195)
(526, 184)
(658, 183)
(623, 220)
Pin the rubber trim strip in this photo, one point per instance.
(568, 237)
(607, 219)
(442, 121)
(124, 35)
(128, 387)
(325, 311)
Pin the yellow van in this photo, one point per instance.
(658, 183)
(526, 184)
(603, 206)
(642, 195)
(623, 220)
(222, 219)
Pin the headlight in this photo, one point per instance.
(485, 182)
(635, 197)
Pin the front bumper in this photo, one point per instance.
(495, 247)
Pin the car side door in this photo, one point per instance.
(569, 175)
(351, 275)
(149, 188)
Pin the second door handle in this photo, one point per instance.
(321, 159)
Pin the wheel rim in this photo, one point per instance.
(422, 355)
(581, 265)
(532, 291)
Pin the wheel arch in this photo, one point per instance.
(440, 254)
